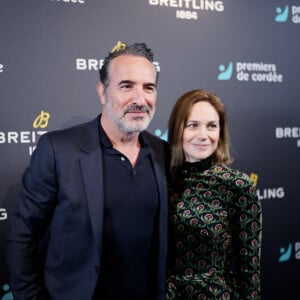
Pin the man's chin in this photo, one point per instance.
(136, 127)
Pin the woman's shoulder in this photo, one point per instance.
(235, 176)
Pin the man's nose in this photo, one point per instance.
(138, 96)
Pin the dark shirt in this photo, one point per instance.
(130, 226)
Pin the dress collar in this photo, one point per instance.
(198, 166)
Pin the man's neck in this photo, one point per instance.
(126, 143)
(116, 136)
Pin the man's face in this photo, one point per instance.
(130, 96)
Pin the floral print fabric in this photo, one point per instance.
(215, 234)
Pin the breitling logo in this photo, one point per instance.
(254, 178)
(119, 46)
(26, 136)
(42, 120)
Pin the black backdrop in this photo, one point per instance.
(245, 51)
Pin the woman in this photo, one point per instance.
(215, 216)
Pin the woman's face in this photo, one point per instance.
(201, 133)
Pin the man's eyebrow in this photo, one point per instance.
(150, 84)
(131, 82)
(125, 82)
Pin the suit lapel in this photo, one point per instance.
(91, 166)
(159, 165)
(92, 176)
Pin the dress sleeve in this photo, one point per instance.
(247, 225)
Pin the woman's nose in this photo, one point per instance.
(201, 134)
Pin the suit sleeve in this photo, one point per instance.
(247, 223)
(29, 224)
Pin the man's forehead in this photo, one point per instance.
(126, 67)
(130, 61)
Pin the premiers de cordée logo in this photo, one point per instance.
(250, 72)
(283, 14)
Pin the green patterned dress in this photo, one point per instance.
(215, 234)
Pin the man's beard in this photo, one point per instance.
(137, 124)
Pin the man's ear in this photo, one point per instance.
(101, 92)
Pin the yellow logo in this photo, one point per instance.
(42, 120)
(254, 178)
(119, 46)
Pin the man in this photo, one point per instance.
(98, 192)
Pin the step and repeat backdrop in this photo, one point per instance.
(247, 52)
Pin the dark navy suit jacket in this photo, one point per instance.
(62, 199)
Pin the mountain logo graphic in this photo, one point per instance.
(282, 14)
(286, 253)
(225, 73)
